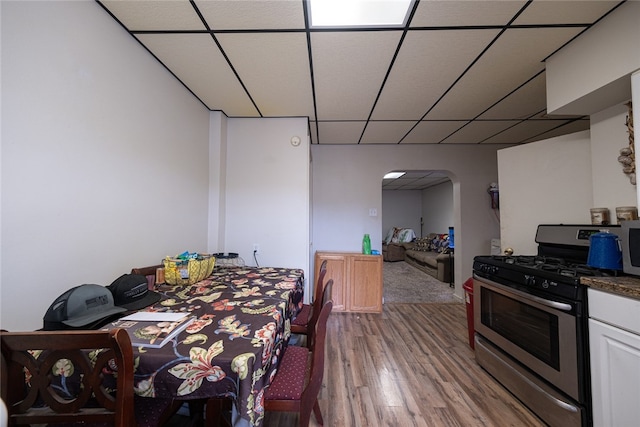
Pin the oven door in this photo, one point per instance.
(538, 333)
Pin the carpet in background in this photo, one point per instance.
(405, 283)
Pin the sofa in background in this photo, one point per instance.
(393, 252)
(430, 254)
(393, 246)
(435, 264)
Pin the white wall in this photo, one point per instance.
(104, 157)
(346, 184)
(583, 172)
(635, 95)
(437, 208)
(400, 208)
(560, 179)
(545, 182)
(611, 187)
(267, 191)
(217, 181)
(592, 72)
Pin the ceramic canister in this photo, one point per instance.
(626, 213)
(600, 216)
(604, 251)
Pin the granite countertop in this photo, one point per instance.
(626, 286)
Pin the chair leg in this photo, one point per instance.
(214, 409)
(317, 413)
(196, 412)
(305, 414)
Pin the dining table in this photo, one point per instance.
(241, 327)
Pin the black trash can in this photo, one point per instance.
(468, 298)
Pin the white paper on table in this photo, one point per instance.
(155, 316)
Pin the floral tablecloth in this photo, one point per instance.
(232, 349)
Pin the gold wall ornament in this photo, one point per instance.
(627, 157)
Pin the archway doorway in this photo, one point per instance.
(419, 200)
(421, 204)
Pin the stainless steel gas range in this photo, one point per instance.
(530, 318)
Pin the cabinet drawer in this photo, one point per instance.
(615, 310)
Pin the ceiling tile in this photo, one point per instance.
(349, 68)
(279, 87)
(146, 15)
(525, 102)
(470, 97)
(564, 12)
(569, 127)
(477, 131)
(521, 131)
(340, 132)
(203, 69)
(424, 70)
(385, 132)
(438, 13)
(252, 15)
(432, 132)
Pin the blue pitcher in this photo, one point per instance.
(604, 251)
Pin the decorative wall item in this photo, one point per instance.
(627, 156)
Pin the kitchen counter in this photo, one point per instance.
(626, 286)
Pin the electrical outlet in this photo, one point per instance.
(256, 248)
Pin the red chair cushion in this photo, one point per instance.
(302, 319)
(291, 376)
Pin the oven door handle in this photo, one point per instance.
(549, 303)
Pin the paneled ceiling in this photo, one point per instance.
(415, 180)
(459, 72)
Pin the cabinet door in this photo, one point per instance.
(365, 292)
(336, 270)
(615, 375)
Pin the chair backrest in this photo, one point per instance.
(317, 292)
(149, 272)
(318, 299)
(315, 317)
(310, 393)
(61, 377)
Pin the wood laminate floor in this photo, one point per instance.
(409, 366)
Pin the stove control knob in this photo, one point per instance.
(545, 283)
(529, 280)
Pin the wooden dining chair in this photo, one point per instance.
(52, 377)
(325, 297)
(299, 366)
(148, 272)
(300, 325)
(298, 380)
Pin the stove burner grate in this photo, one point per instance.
(550, 266)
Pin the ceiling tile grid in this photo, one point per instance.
(349, 68)
(203, 69)
(257, 58)
(459, 72)
(424, 70)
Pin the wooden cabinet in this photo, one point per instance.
(614, 341)
(357, 280)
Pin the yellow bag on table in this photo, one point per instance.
(187, 271)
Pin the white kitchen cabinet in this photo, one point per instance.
(614, 341)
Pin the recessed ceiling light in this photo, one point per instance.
(393, 175)
(359, 13)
